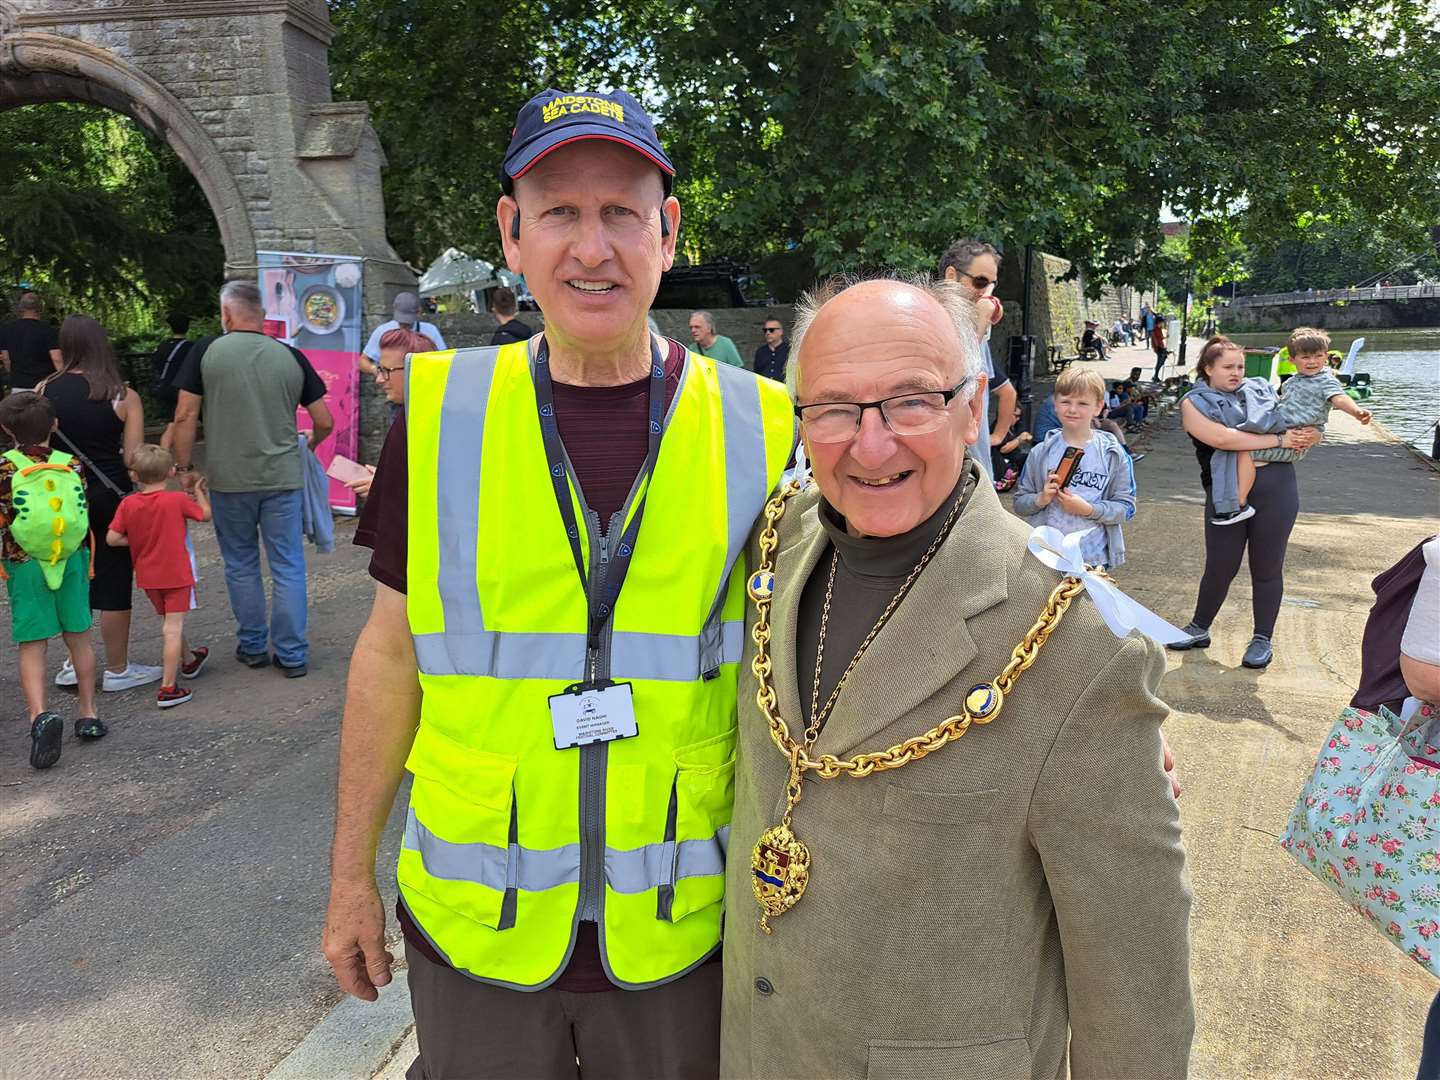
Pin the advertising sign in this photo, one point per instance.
(313, 302)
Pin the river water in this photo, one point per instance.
(1404, 367)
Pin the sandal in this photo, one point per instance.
(90, 728)
(46, 731)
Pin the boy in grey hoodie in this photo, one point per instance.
(1100, 494)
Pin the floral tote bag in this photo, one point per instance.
(1367, 823)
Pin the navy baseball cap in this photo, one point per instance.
(552, 119)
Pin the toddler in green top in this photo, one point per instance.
(37, 611)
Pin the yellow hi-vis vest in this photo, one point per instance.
(509, 842)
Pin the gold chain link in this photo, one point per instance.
(828, 766)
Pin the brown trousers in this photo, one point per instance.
(471, 1030)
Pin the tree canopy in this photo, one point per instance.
(102, 217)
(848, 133)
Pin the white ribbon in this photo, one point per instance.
(1061, 551)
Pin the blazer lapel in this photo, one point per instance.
(793, 566)
(926, 643)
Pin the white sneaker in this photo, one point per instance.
(66, 675)
(134, 675)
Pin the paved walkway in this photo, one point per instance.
(165, 889)
(1289, 982)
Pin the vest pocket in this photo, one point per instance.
(461, 826)
(703, 800)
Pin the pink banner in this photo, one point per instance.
(342, 395)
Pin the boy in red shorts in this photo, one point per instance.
(151, 522)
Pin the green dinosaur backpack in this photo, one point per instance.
(50, 519)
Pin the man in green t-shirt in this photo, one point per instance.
(709, 343)
(251, 385)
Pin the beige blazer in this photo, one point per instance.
(1020, 893)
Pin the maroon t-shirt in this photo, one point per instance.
(1380, 680)
(605, 432)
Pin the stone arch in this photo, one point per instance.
(36, 68)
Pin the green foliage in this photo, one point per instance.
(445, 78)
(876, 131)
(101, 217)
(833, 134)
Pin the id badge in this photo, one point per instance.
(585, 714)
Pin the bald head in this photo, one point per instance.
(886, 322)
(906, 343)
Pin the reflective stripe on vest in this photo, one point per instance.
(529, 870)
(508, 841)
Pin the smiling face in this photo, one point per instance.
(1311, 363)
(590, 245)
(873, 341)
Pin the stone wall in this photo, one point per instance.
(1058, 307)
(1345, 315)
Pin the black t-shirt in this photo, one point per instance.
(1203, 453)
(28, 341)
(165, 364)
(514, 330)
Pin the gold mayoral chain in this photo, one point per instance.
(780, 863)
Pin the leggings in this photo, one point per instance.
(1276, 501)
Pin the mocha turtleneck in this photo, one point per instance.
(870, 571)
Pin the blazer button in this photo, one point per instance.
(763, 986)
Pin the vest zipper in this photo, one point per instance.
(594, 758)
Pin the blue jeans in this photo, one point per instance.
(276, 515)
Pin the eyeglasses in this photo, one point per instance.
(915, 413)
(771, 329)
(385, 372)
(980, 281)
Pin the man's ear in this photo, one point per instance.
(507, 215)
(670, 213)
(974, 419)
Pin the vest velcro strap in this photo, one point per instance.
(535, 870)
(497, 655)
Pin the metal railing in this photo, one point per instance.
(1324, 296)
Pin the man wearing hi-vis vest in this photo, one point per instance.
(558, 529)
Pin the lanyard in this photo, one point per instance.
(600, 597)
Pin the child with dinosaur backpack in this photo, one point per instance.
(45, 558)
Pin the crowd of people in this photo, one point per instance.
(87, 512)
(591, 710)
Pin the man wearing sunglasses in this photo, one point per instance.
(773, 352)
(986, 906)
(975, 265)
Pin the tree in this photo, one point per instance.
(445, 79)
(103, 217)
(876, 131)
(832, 134)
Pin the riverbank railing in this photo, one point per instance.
(1325, 296)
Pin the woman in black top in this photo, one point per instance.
(101, 418)
(1275, 499)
